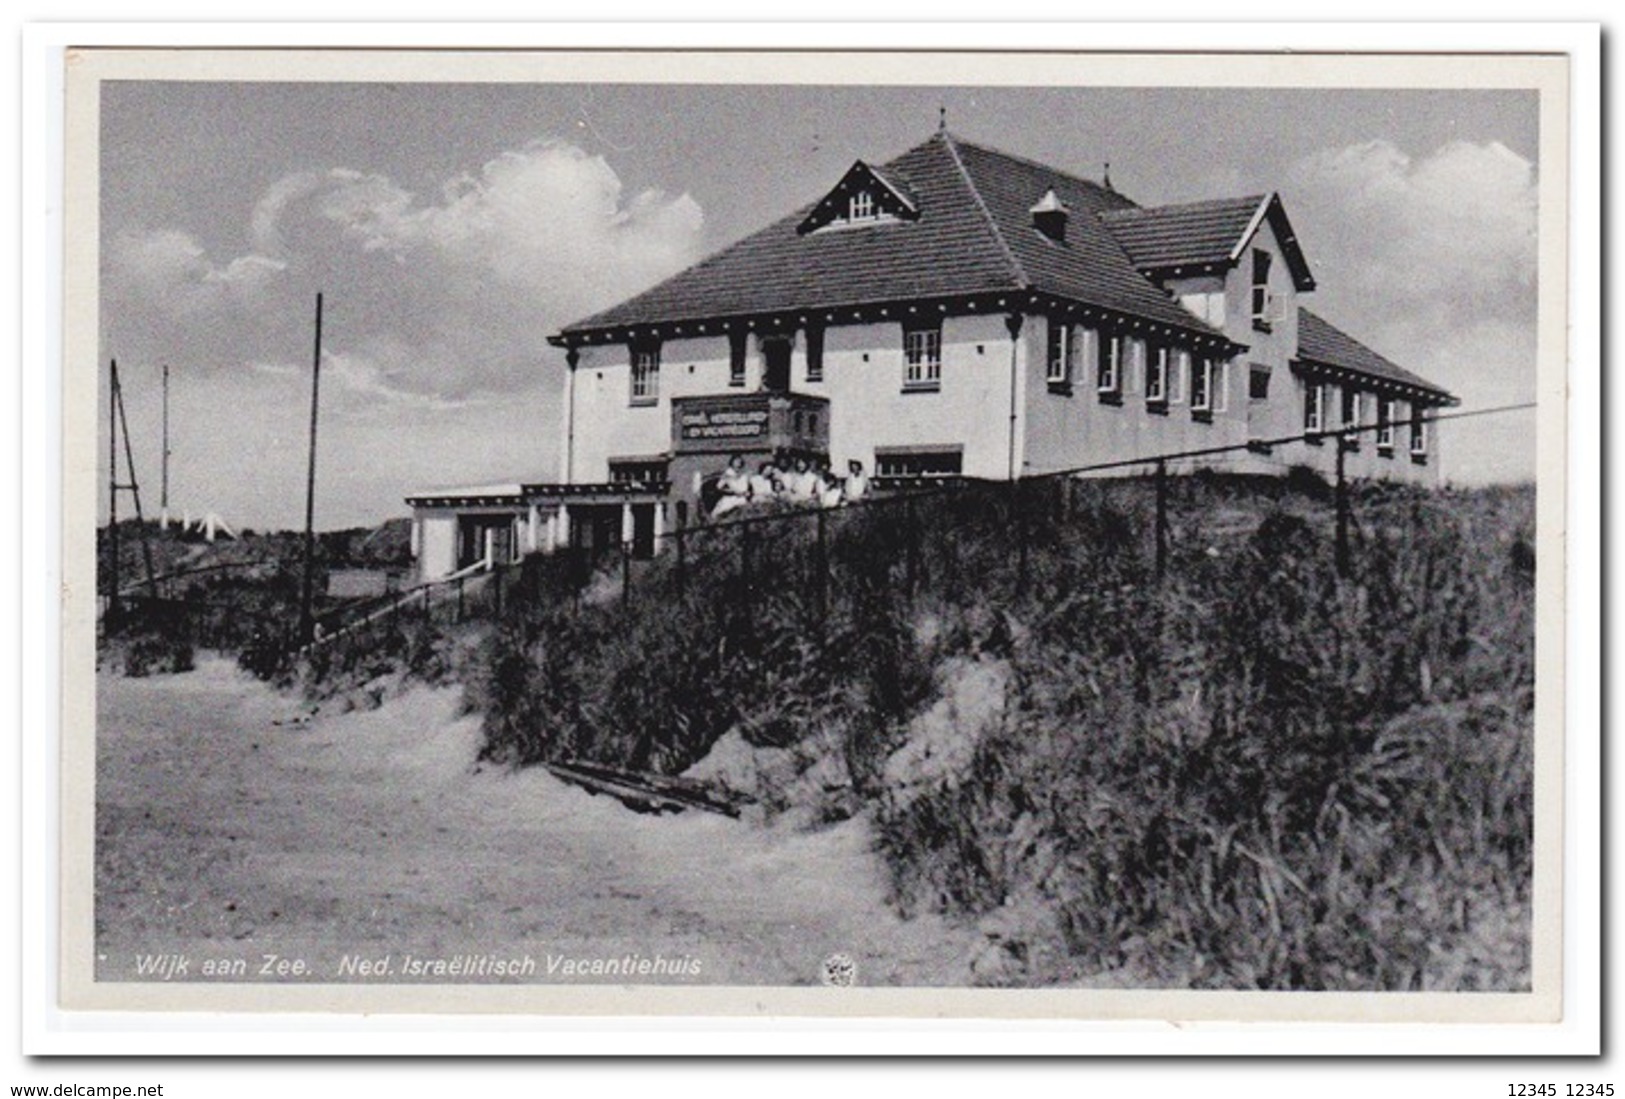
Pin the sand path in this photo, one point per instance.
(226, 829)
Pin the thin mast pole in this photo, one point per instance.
(112, 487)
(306, 589)
(134, 487)
(163, 495)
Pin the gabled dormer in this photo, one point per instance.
(862, 197)
(1206, 238)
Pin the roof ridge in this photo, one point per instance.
(950, 143)
(1141, 211)
(1040, 166)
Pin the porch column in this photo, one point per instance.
(550, 536)
(627, 526)
(533, 529)
(490, 546)
(561, 527)
(660, 522)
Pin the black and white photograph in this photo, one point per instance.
(816, 534)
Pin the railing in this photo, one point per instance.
(919, 517)
(943, 532)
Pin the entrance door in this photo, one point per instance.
(643, 530)
(776, 365)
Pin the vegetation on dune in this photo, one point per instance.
(1251, 773)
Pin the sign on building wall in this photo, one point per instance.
(712, 424)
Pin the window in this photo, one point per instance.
(861, 206)
(1261, 290)
(1202, 384)
(1419, 433)
(815, 354)
(922, 358)
(1062, 350)
(1351, 406)
(1314, 407)
(1387, 412)
(920, 462)
(1258, 383)
(1109, 367)
(736, 359)
(645, 375)
(1156, 376)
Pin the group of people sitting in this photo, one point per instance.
(798, 482)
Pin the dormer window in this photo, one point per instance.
(862, 197)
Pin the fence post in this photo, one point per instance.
(460, 598)
(912, 550)
(1162, 517)
(821, 567)
(1342, 507)
(626, 574)
(1020, 527)
(682, 559)
(496, 590)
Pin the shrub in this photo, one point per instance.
(1250, 772)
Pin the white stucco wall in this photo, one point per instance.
(862, 379)
(863, 371)
(1069, 429)
(437, 542)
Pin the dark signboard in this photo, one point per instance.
(730, 424)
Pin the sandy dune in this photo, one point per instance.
(228, 828)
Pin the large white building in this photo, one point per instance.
(957, 311)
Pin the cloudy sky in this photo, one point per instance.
(451, 228)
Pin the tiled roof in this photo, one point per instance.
(1195, 234)
(974, 234)
(1320, 343)
(1188, 234)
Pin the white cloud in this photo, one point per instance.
(169, 269)
(548, 220)
(1452, 233)
(371, 383)
(263, 225)
(1432, 260)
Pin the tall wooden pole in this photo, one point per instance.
(112, 489)
(135, 487)
(306, 591)
(163, 494)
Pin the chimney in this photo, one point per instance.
(1049, 216)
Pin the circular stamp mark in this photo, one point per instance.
(839, 971)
